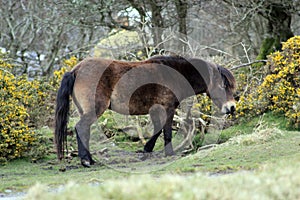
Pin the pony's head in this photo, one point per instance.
(221, 89)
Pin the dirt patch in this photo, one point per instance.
(128, 161)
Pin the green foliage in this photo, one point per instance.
(35, 95)
(42, 145)
(108, 124)
(268, 46)
(16, 136)
(58, 75)
(198, 140)
(119, 45)
(203, 107)
(246, 127)
(280, 90)
(25, 105)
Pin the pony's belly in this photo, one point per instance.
(139, 100)
(126, 104)
(126, 109)
(138, 103)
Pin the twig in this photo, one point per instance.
(247, 64)
(215, 49)
(246, 51)
(4, 70)
(188, 137)
(187, 42)
(140, 131)
(206, 147)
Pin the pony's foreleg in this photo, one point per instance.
(168, 134)
(83, 138)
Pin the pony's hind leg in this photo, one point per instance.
(157, 114)
(151, 142)
(168, 134)
(83, 137)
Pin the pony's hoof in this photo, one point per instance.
(145, 156)
(85, 163)
(92, 162)
(169, 150)
(170, 153)
(147, 150)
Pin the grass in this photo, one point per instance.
(264, 158)
(248, 126)
(270, 181)
(19, 175)
(233, 156)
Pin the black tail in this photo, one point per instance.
(62, 112)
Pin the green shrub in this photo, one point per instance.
(26, 105)
(15, 133)
(280, 90)
(58, 75)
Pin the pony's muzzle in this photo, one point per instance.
(229, 107)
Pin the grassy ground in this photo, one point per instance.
(261, 162)
(270, 181)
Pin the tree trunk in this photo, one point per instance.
(181, 8)
(279, 19)
(158, 24)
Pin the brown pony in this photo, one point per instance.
(155, 86)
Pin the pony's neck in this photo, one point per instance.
(196, 71)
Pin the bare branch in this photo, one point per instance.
(247, 64)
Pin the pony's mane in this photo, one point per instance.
(228, 78)
(169, 59)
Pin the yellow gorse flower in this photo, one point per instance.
(21, 101)
(279, 91)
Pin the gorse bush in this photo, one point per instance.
(58, 75)
(34, 95)
(280, 89)
(15, 133)
(204, 105)
(25, 105)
